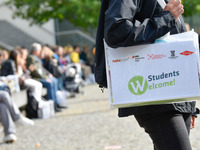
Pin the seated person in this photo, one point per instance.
(52, 65)
(38, 72)
(34, 85)
(75, 58)
(10, 115)
(67, 54)
(14, 66)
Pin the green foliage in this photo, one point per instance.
(191, 7)
(83, 13)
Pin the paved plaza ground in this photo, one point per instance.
(87, 124)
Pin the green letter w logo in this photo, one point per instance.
(138, 85)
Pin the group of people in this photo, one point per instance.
(42, 67)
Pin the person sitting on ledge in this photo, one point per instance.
(11, 116)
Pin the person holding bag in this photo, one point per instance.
(124, 23)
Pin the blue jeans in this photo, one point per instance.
(60, 83)
(52, 88)
(168, 131)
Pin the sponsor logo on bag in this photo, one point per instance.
(117, 60)
(137, 58)
(120, 60)
(187, 53)
(157, 56)
(173, 54)
(138, 85)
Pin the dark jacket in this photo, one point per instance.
(8, 68)
(99, 62)
(53, 68)
(199, 41)
(120, 30)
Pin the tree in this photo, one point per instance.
(191, 7)
(83, 13)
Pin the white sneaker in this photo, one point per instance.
(10, 138)
(23, 121)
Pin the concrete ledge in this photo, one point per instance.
(20, 98)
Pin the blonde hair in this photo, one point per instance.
(68, 49)
(47, 53)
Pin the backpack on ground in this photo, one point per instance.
(32, 106)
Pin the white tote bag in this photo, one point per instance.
(164, 72)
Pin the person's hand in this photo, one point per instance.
(192, 122)
(175, 7)
(48, 80)
(50, 75)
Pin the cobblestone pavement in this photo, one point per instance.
(88, 124)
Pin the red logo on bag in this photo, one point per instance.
(153, 56)
(117, 60)
(187, 53)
